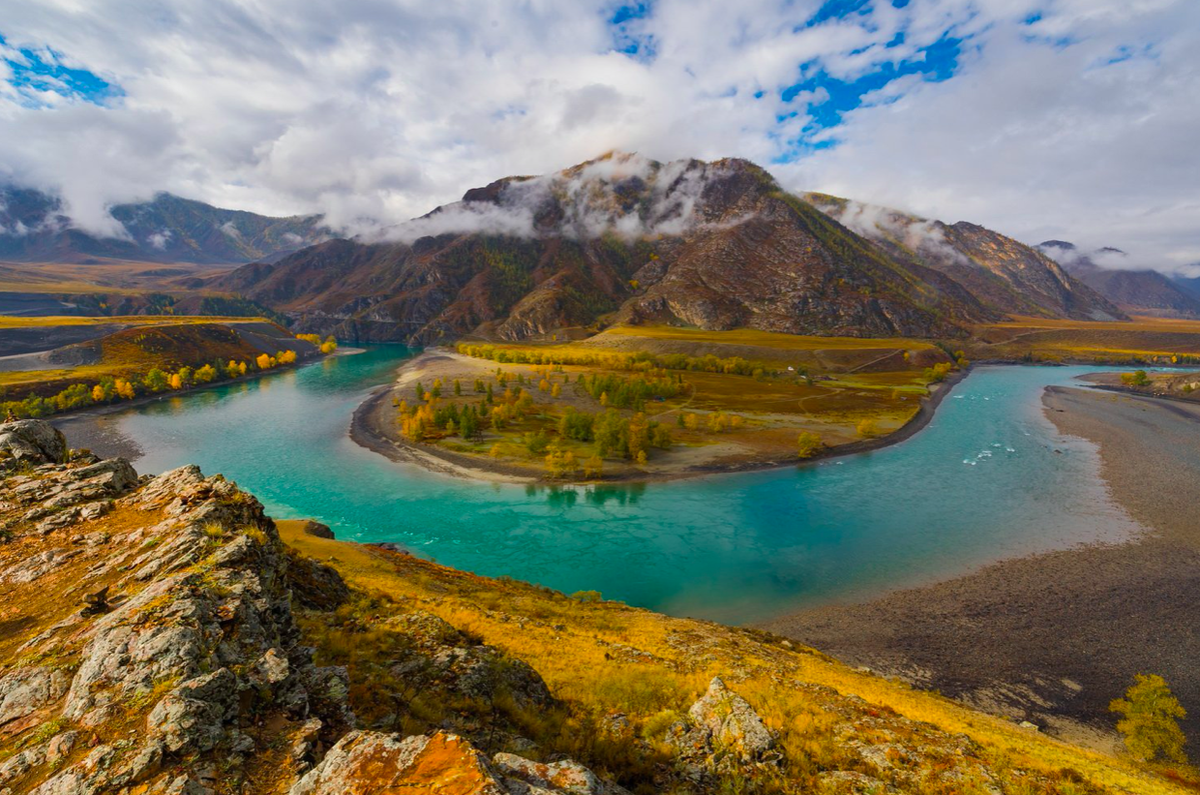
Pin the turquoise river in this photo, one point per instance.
(989, 478)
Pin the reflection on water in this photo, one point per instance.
(594, 494)
(731, 547)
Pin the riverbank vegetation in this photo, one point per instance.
(649, 402)
(147, 359)
(1142, 341)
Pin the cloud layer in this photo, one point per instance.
(1062, 118)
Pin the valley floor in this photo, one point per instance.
(1053, 638)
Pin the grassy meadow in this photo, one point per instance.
(602, 658)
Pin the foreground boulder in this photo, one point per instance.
(366, 763)
(729, 723)
(33, 442)
(722, 735)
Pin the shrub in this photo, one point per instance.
(808, 444)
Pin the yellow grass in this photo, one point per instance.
(51, 321)
(572, 644)
(767, 339)
(1137, 323)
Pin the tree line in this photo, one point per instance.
(115, 388)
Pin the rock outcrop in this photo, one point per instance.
(722, 735)
(167, 657)
(193, 647)
(372, 762)
(32, 442)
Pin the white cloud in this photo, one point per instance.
(1043, 141)
(159, 239)
(383, 109)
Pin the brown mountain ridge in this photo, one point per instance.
(716, 245)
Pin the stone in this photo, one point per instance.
(270, 669)
(317, 529)
(365, 763)
(23, 691)
(567, 777)
(731, 722)
(33, 441)
(443, 655)
(315, 585)
(192, 715)
(96, 602)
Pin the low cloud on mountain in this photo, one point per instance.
(1059, 118)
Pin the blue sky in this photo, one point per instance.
(34, 72)
(1042, 118)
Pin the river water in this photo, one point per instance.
(989, 478)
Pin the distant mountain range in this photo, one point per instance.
(716, 245)
(1144, 292)
(167, 229)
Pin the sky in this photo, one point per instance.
(1071, 119)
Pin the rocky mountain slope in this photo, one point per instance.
(167, 229)
(717, 245)
(1143, 292)
(157, 636)
(1005, 275)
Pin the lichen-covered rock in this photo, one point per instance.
(570, 778)
(443, 657)
(722, 736)
(33, 441)
(371, 763)
(181, 625)
(23, 691)
(192, 716)
(730, 722)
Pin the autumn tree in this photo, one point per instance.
(1150, 722)
(808, 444)
(867, 428)
(561, 463)
(1136, 378)
(156, 380)
(593, 467)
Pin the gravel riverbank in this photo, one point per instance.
(1053, 638)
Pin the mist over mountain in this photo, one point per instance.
(1004, 274)
(1140, 291)
(716, 245)
(34, 227)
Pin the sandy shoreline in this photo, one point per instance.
(373, 426)
(1054, 637)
